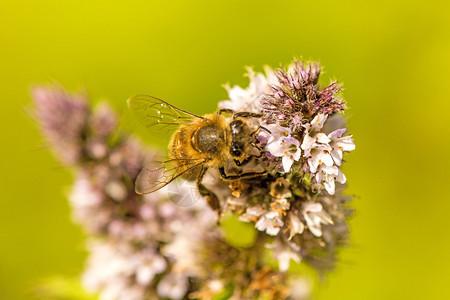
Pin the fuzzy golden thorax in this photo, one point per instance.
(206, 139)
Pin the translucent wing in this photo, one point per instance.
(158, 174)
(152, 111)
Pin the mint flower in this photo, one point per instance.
(173, 286)
(296, 226)
(284, 252)
(324, 152)
(300, 201)
(269, 222)
(340, 144)
(281, 144)
(252, 214)
(63, 120)
(328, 175)
(297, 95)
(314, 217)
(248, 99)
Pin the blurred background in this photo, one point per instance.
(392, 56)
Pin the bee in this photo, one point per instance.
(198, 144)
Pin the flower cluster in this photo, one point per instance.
(146, 247)
(296, 96)
(300, 201)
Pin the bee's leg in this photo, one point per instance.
(244, 162)
(250, 157)
(259, 149)
(247, 160)
(225, 111)
(257, 130)
(240, 176)
(212, 199)
(246, 114)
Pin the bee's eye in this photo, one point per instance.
(235, 151)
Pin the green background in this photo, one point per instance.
(392, 56)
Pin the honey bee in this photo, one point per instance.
(199, 143)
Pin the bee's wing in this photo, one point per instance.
(152, 111)
(158, 174)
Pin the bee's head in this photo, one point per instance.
(240, 133)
